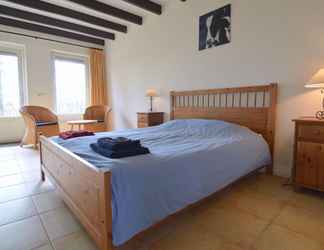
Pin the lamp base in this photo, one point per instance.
(320, 115)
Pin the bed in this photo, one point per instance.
(115, 200)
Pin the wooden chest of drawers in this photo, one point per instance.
(148, 119)
(308, 169)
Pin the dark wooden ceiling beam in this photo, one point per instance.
(110, 10)
(51, 31)
(8, 11)
(147, 5)
(59, 10)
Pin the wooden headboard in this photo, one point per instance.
(253, 107)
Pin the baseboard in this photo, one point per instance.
(282, 170)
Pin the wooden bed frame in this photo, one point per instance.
(87, 190)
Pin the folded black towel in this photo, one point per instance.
(118, 154)
(119, 143)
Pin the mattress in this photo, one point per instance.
(189, 160)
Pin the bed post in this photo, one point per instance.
(172, 104)
(105, 205)
(41, 159)
(273, 91)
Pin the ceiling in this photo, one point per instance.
(93, 22)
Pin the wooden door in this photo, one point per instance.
(307, 163)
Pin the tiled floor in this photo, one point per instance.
(259, 213)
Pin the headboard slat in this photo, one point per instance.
(259, 118)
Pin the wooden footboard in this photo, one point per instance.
(85, 190)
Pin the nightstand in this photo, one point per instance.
(148, 119)
(308, 168)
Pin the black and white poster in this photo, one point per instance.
(215, 28)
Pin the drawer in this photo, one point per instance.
(142, 124)
(142, 118)
(307, 163)
(156, 119)
(311, 132)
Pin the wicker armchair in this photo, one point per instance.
(38, 120)
(99, 113)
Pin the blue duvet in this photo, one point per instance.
(189, 160)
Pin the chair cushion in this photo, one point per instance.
(43, 123)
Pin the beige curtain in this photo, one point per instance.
(98, 88)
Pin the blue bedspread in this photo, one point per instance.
(189, 160)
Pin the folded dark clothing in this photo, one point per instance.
(73, 134)
(119, 143)
(118, 154)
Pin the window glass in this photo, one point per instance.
(10, 84)
(71, 85)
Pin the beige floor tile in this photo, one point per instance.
(48, 201)
(192, 237)
(161, 231)
(77, 241)
(60, 222)
(29, 164)
(37, 187)
(6, 153)
(45, 247)
(24, 190)
(166, 228)
(255, 203)
(31, 176)
(269, 185)
(9, 167)
(16, 210)
(26, 152)
(239, 228)
(131, 245)
(246, 182)
(23, 235)
(307, 199)
(303, 221)
(13, 192)
(279, 238)
(10, 180)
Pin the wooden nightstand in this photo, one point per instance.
(148, 119)
(308, 169)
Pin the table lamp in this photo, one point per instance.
(151, 93)
(317, 81)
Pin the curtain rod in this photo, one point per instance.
(48, 39)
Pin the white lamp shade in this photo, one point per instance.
(151, 92)
(317, 81)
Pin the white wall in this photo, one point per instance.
(272, 41)
(40, 84)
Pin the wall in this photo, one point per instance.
(40, 85)
(272, 41)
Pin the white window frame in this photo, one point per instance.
(70, 57)
(19, 51)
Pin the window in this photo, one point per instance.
(71, 75)
(11, 82)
